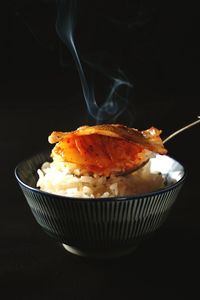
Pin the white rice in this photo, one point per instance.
(68, 180)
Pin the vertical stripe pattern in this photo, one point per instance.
(100, 223)
(89, 223)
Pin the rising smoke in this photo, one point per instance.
(115, 104)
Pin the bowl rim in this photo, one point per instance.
(103, 199)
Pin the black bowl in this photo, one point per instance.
(100, 227)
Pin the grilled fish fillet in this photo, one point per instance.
(107, 149)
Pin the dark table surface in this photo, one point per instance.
(34, 266)
(40, 92)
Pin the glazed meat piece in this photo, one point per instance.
(107, 149)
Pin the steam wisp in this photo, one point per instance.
(115, 104)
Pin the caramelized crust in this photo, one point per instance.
(149, 138)
(108, 148)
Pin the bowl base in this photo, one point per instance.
(111, 253)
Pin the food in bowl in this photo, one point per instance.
(102, 161)
(101, 227)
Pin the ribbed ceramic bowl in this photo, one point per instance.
(105, 226)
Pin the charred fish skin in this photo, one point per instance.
(107, 149)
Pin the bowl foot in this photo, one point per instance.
(108, 253)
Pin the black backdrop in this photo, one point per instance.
(156, 46)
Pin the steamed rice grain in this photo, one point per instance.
(68, 180)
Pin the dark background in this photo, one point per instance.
(156, 44)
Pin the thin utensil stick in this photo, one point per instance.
(180, 130)
(164, 141)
